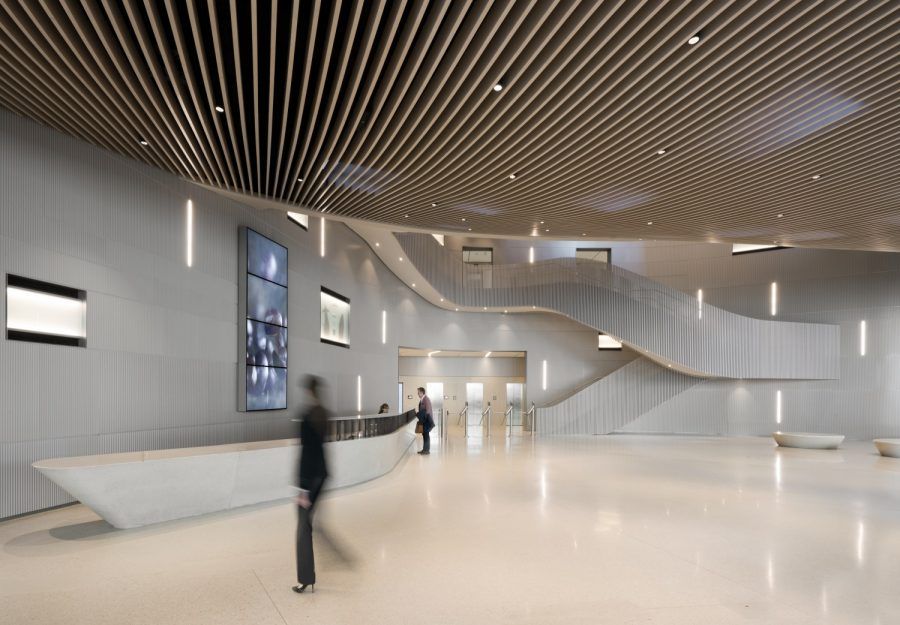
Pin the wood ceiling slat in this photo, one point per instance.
(514, 159)
(349, 94)
(239, 82)
(318, 159)
(385, 107)
(184, 114)
(142, 74)
(385, 75)
(304, 163)
(96, 44)
(219, 53)
(291, 181)
(644, 157)
(288, 80)
(409, 65)
(175, 117)
(449, 60)
(57, 85)
(202, 110)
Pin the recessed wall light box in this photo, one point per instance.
(43, 312)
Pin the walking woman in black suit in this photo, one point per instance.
(312, 472)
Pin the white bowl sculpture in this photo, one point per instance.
(808, 440)
(889, 447)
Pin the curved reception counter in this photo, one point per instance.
(138, 488)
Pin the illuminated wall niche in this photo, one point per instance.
(42, 312)
(263, 323)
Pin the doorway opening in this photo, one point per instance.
(474, 394)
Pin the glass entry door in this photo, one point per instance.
(515, 402)
(475, 399)
(435, 391)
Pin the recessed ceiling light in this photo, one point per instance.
(470, 230)
(584, 234)
(377, 244)
(505, 312)
(542, 223)
(512, 176)
(433, 204)
(816, 177)
(485, 308)
(401, 259)
(670, 366)
(498, 87)
(780, 215)
(457, 310)
(299, 179)
(694, 40)
(463, 219)
(442, 299)
(413, 285)
(406, 217)
(144, 142)
(219, 109)
(546, 229)
(649, 223)
(660, 152)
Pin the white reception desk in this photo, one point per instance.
(143, 487)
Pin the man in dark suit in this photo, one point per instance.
(311, 475)
(426, 418)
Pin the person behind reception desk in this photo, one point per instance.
(312, 471)
(426, 418)
(384, 409)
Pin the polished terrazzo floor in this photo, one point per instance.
(621, 529)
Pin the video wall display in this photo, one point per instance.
(263, 335)
(335, 318)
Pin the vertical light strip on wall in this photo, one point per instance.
(383, 327)
(322, 241)
(544, 375)
(359, 393)
(774, 298)
(190, 233)
(777, 406)
(862, 338)
(699, 303)
(531, 255)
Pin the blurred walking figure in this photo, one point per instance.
(426, 419)
(312, 472)
(384, 409)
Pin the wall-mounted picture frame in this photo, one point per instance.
(335, 318)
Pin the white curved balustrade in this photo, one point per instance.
(648, 316)
(610, 403)
(138, 488)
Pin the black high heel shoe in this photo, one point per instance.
(302, 588)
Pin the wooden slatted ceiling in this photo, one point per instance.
(386, 111)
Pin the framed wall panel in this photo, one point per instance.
(335, 318)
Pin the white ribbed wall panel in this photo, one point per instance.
(648, 315)
(160, 367)
(615, 400)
